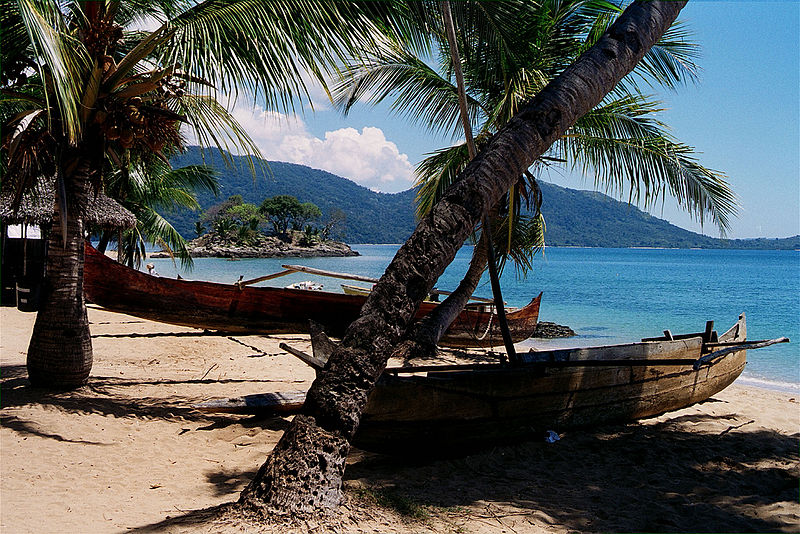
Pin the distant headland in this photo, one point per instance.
(574, 218)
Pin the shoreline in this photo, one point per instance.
(769, 385)
(146, 461)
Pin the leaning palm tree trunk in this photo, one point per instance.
(423, 338)
(304, 471)
(60, 351)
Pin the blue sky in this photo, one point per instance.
(742, 117)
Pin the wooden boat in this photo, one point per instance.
(356, 290)
(458, 407)
(269, 310)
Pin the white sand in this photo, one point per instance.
(128, 453)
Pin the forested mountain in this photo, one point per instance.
(573, 218)
(371, 217)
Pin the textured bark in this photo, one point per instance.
(337, 397)
(60, 350)
(424, 336)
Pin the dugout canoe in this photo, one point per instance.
(443, 409)
(266, 310)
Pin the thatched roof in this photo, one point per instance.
(37, 207)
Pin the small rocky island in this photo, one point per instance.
(292, 244)
(280, 227)
(549, 330)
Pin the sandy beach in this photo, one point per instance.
(129, 453)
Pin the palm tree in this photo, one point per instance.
(149, 186)
(510, 50)
(304, 471)
(84, 88)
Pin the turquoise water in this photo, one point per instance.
(610, 295)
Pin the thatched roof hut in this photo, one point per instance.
(37, 208)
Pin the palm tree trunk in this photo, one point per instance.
(60, 350)
(423, 338)
(304, 471)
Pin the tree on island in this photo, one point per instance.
(242, 221)
(308, 212)
(304, 471)
(280, 211)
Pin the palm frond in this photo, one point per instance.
(418, 92)
(214, 125)
(156, 229)
(436, 173)
(266, 47)
(527, 238)
(62, 58)
(626, 146)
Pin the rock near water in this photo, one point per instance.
(552, 330)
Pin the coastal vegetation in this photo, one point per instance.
(280, 226)
(86, 89)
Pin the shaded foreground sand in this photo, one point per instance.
(127, 453)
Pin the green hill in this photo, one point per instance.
(371, 217)
(573, 218)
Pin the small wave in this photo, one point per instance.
(776, 385)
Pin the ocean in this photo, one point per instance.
(608, 295)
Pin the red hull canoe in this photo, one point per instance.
(266, 310)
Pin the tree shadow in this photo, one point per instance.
(101, 396)
(26, 428)
(228, 481)
(656, 478)
(206, 517)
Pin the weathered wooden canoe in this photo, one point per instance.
(453, 408)
(268, 310)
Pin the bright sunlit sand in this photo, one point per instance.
(128, 453)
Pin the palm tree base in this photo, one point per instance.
(58, 357)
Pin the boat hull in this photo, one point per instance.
(264, 310)
(452, 410)
(463, 408)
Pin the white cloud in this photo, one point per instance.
(364, 156)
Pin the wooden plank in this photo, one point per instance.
(745, 343)
(332, 274)
(709, 332)
(713, 356)
(311, 361)
(241, 284)
(276, 403)
(359, 278)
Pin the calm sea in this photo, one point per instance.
(610, 295)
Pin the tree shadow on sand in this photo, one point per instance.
(103, 396)
(657, 478)
(663, 477)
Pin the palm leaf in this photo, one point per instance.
(418, 92)
(61, 57)
(626, 146)
(259, 46)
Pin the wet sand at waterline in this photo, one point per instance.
(128, 453)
